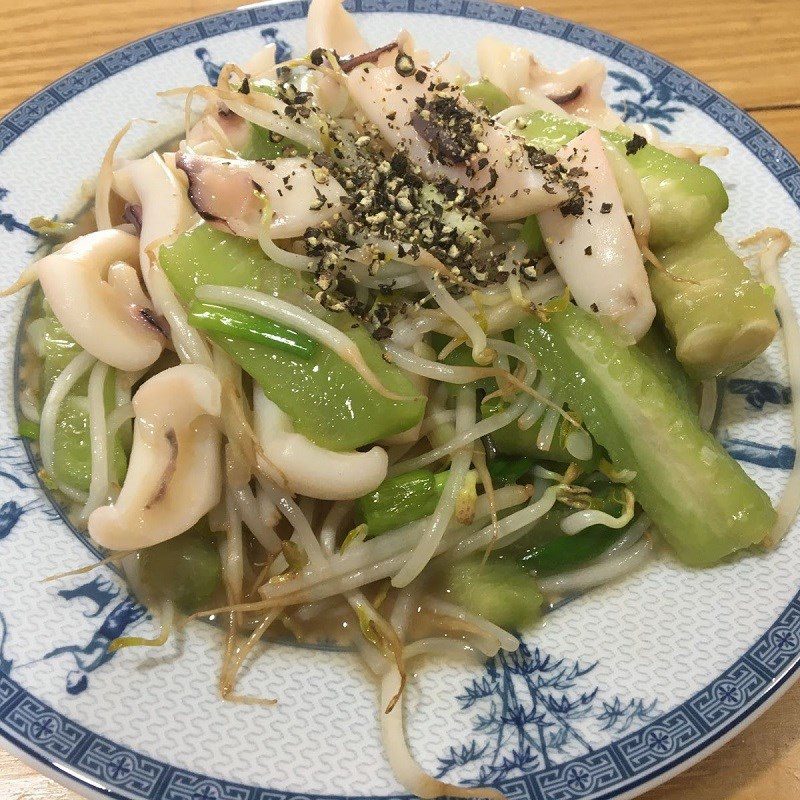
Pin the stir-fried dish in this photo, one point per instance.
(384, 352)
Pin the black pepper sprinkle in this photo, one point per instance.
(594, 307)
(605, 208)
(404, 64)
(574, 205)
(389, 198)
(588, 250)
(635, 144)
(383, 332)
(447, 126)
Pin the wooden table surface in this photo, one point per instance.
(747, 49)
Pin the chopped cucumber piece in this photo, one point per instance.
(72, 464)
(59, 348)
(499, 591)
(719, 316)
(661, 354)
(186, 569)
(533, 238)
(702, 501)
(327, 400)
(28, 429)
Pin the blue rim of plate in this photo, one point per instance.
(675, 739)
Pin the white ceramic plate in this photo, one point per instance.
(615, 692)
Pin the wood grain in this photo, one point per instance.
(747, 49)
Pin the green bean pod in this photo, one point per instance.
(249, 327)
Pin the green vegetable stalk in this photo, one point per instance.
(686, 200)
(327, 400)
(72, 443)
(499, 591)
(186, 569)
(402, 499)
(701, 500)
(512, 440)
(249, 327)
(505, 470)
(28, 430)
(533, 238)
(719, 316)
(72, 446)
(485, 93)
(546, 549)
(661, 353)
(59, 348)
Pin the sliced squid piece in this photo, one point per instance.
(94, 307)
(576, 91)
(175, 470)
(235, 130)
(165, 211)
(307, 469)
(125, 279)
(331, 27)
(227, 192)
(262, 63)
(411, 111)
(594, 247)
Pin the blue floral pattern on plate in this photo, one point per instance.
(8, 221)
(654, 104)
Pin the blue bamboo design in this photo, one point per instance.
(536, 710)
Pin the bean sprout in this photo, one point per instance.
(603, 572)
(581, 520)
(431, 538)
(774, 244)
(61, 387)
(99, 440)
